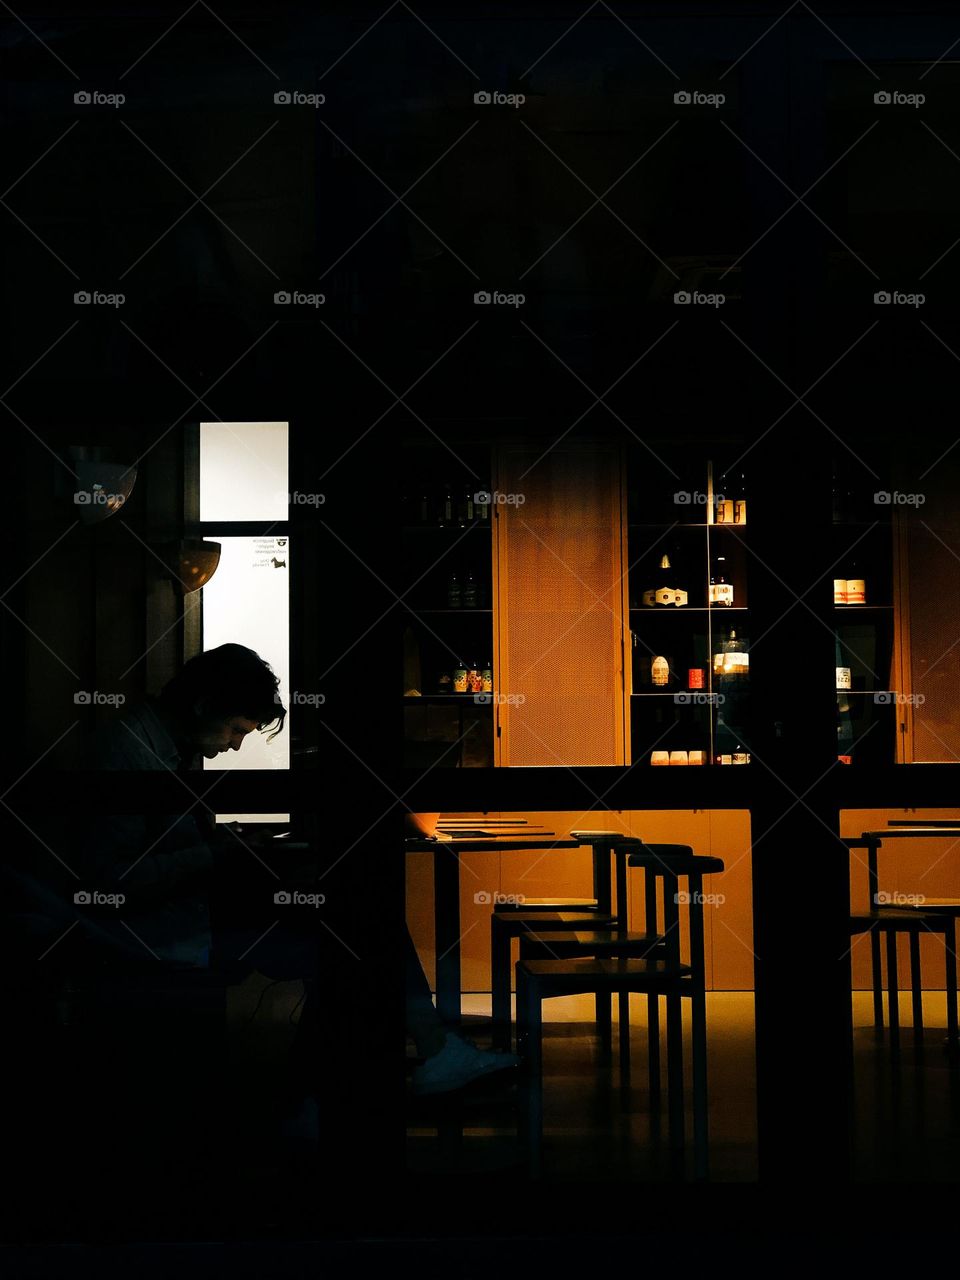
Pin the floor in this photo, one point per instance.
(906, 1110)
(595, 1130)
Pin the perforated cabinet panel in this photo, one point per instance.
(932, 542)
(560, 608)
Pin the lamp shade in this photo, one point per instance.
(102, 488)
(192, 562)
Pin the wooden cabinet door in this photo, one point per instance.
(560, 589)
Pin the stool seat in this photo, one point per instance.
(572, 976)
(546, 904)
(522, 921)
(594, 942)
(904, 919)
(604, 837)
(934, 906)
(675, 859)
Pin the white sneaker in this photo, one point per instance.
(457, 1064)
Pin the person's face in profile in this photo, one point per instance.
(214, 736)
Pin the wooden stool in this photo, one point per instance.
(507, 925)
(657, 970)
(539, 980)
(893, 921)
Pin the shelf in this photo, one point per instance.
(862, 608)
(665, 610)
(686, 524)
(879, 523)
(467, 698)
(411, 609)
(447, 528)
(673, 693)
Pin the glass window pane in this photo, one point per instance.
(247, 601)
(243, 471)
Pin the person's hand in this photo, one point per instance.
(236, 833)
(420, 826)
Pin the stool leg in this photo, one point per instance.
(653, 1047)
(700, 1114)
(916, 987)
(624, 1013)
(530, 1043)
(500, 982)
(877, 977)
(949, 937)
(604, 1001)
(675, 1070)
(893, 992)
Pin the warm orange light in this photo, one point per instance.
(192, 563)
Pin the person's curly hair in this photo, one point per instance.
(228, 681)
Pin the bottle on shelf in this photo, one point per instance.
(740, 498)
(454, 592)
(474, 681)
(666, 589)
(482, 509)
(661, 671)
(732, 658)
(467, 511)
(486, 677)
(470, 592)
(445, 683)
(446, 506)
(412, 687)
(856, 586)
(721, 591)
(724, 508)
(844, 716)
(424, 507)
(460, 678)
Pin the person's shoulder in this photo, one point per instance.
(131, 741)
